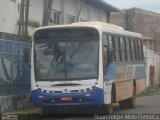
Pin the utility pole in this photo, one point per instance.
(26, 17)
(47, 11)
(21, 19)
(79, 12)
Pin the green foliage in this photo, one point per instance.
(150, 91)
(33, 24)
(24, 38)
(26, 112)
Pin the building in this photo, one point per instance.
(62, 12)
(142, 21)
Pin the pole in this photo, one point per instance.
(26, 17)
(79, 12)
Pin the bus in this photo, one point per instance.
(86, 65)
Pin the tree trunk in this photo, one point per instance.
(26, 17)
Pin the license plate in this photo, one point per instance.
(66, 99)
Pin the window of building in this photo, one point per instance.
(56, 17)
(69, 19)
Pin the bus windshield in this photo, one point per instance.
(66, 54)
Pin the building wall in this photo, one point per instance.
(138, 20)
(118, 18)
(152, 59)
(36, 10)
(10, 10)
(8, 16)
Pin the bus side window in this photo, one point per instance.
(132, 49)
(104, 42)
(122, 49)
(128, 55)
(117, 53)
(111, 46)
(139, 49)
(136, 49)
(142, 50)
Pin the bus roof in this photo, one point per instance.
(106, 27)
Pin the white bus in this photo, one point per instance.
(86, 65)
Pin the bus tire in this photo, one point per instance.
(130, 102)
(45, 111)
(122, 104)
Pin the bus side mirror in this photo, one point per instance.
(109, 56)
(26, 55)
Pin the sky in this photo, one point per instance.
(151, 5)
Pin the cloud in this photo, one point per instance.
(152, 5)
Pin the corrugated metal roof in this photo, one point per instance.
(101, 4)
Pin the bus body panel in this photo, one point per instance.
(123, 76)
(107, 92)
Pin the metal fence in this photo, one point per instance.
(14, 73)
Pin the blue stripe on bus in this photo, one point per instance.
(96, 98)
(112, 70)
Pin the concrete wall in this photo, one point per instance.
(12, 103)
(152, 59)
(118, 18)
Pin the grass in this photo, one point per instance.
(28, 112)
(150, 91)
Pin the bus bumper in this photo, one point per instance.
(94, 97)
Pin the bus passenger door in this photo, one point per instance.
(107, 85)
